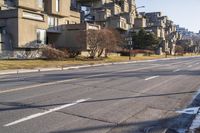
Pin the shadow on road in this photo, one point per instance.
(175, 123)
(109, 74)
(151, 126)
(19, 106)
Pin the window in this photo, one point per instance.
(53, 22)
(67, 22)
(9, 2)
(57, 5)
(41, 36)
(40, 3)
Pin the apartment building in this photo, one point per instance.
(163, 28)
(118, 14)
(26, 25)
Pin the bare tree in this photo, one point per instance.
(95, 39)
(111, 41)
(99, 41)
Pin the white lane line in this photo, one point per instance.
(197, 63)
(37, 85)
(190, 66)
(68, 80)
(92, 76)
(153, 77)
(176, 70)
(45, 112)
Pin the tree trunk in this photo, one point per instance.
(100, 52)
(106, 53)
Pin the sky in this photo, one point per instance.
(185, 13)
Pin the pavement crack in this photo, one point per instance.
(122, 122)
(89, 118)
(161, 109)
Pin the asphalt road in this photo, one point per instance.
(122, 98)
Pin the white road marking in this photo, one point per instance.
(190, 66)
(63, 81)
(197, 63)
(176, 70)
(45, 112)
(190, 111)
(37, 85)
(153, 77)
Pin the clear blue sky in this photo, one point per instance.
(186, 13)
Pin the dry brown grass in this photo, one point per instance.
(31, 64)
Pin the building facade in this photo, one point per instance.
(27, 25)
(163, 28)
(118, 14)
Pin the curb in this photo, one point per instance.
(17, 71)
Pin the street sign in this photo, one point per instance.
(130, 43)
(129, 40)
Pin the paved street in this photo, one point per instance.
(122, 98)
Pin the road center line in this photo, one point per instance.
(176, 70)
(45, 112)
(190, 66)
(68, 80)
(153, 77)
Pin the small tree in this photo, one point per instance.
(186, 44)
(145, 40)
(102, 40)
(95, 38)
(179, 50)
(111, 41)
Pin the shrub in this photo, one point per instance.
(53, 53)
(72, 53)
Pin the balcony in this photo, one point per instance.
(115, 8)
(102, 15)
(118, 22)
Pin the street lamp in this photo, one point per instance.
(129, 38)
(140, 7)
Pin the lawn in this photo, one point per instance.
(31, 64)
